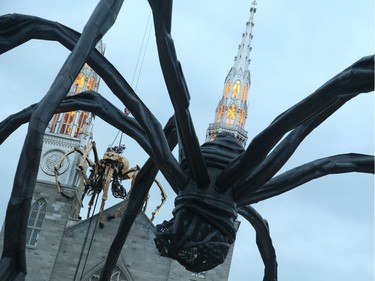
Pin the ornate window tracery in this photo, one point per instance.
(231, 115)
(236, 89)
(36, 219)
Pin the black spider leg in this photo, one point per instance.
(283, 151)
(178, 91)
(358, 78)
(344, 163)
(89, 101)
(142, 185)
(263, 240)
(18, 29)
(13, 260)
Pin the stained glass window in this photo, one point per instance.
(236, 89)
(36, 219)
(231, 115)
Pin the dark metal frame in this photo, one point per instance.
(253, 169)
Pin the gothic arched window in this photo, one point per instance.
(66, 126)
(78, 84)
(36, 219)
(244, 93)
(241, 118)
(55, 123)
(81, 123)
(227, 89)
(236, 89)
(231, 115)
(90, 83)
(220, 114)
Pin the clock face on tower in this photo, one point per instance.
(49, 160)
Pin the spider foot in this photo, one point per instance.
(101, 225)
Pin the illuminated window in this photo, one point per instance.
(90, 83)
(80, 80)
(81, 123)
(36, 219)
(227, 89)
(66, 126)
(231, 115)
(220, 114)
(236, 89)
(241, 118)
(244, 93)
(55, 123)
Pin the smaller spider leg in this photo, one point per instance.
(178, 91)
(356, 79)
(58, 167)
(106, 181)
(263, 240)
(336, 164)
(91, 202)
(163, 199)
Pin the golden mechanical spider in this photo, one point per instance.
(112, 168)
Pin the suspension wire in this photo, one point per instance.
(138, 66)
(115, 138)
(144, 54)
(84, 243)
(142, 50)
(92, 238)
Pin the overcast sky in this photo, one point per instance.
(322, 230)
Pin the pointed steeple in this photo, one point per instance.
(231, 112)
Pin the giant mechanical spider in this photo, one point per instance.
(209, 200)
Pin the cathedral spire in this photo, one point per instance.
(231, 112)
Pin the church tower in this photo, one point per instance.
(231, 112)
(50, 213)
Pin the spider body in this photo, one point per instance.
(202, 228)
